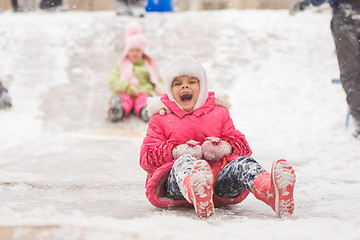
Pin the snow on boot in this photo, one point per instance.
(199, 186)
(281, 188)
(116, 112)
(277, 189)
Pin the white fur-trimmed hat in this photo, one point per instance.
(187, 65)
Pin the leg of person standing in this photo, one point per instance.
(345, 27)
(15, 6)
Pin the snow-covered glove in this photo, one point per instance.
(214, 149)
(191, 148)
(298, 6)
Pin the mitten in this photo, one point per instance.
(132, 91)
(214, 149)
(191, 148)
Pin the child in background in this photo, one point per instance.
(194, 156)
(134, 79)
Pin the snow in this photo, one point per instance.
(277, 71)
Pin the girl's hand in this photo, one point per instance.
(191, 148)
(133, 92)
(214, 149)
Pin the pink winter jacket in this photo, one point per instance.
(177, 127)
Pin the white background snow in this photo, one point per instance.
(277, 70)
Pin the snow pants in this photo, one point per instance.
(236, 176)
(345, 27)
(133, 104)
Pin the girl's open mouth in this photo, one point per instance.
(186, 96)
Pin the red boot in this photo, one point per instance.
(277, 189)
(199, 187)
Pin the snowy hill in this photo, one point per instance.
(277, 71)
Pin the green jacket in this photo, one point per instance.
(118, 85)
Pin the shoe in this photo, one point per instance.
(116, 112)
(5, 100)
(280, 193)
(356, 134)
(144, 115)
(200, 188)
(276, 189)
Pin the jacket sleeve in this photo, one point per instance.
(116, 84)
(236, 139)
(156, 149)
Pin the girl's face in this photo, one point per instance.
(135, 54)
(185, 90)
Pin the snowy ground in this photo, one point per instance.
(277, 71)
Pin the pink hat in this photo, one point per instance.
(134, 38)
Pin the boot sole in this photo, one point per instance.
(202, 185)
(283, 178)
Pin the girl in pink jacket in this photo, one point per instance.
(194, 156)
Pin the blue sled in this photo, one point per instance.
(159, 6)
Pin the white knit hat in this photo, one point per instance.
(186, 65)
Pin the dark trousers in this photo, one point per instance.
(14, 4)
(345, 27)
(48, 4)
